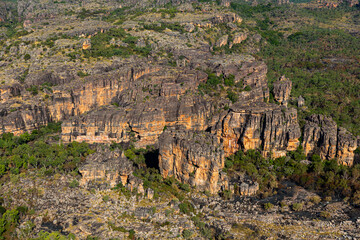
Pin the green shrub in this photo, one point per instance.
(27, 57)
(187, 234)
(33, 89)
(229, 81)
(233, 97)
(186, 207)
(74, 183)
(297, 206)
(82, 74)
(247, 88)
(315, 199)
(325, 214)
(268, 206)
(106, 198)
(185, 187)
(131, 234)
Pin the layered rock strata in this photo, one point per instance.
(21, 112)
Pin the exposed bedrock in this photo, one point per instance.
(282, 90)
(158, 100)
(138, 102)
(324, 137)
(143, 122)
(22, 112)
(111, 167)
(268, 127)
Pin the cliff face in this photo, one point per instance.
(259, 126)
(138, 102)
(72, 99)
(195, 158)
(323, 136)
(143, 110)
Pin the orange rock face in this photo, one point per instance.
(86, 44)
(260, 126)
(195, 158)
(322, 136)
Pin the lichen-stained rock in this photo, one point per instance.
(222, 41)
(248, 189)
(105, 166)
(7, 92)
(86, 44)
(98, 90)
(19, 120)
(72, 99)
(300, 101)
(195, 158)
(226, 18)
(251, 73)
(282, 90)
(346, 146)
(322, 136)
(238, 38)
(262, 126)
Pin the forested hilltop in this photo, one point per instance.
(179, 119)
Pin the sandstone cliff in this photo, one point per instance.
(324, 137)
(195, 158)
(262, 126)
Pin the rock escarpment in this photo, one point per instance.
(22, 112)
(324, 137)
(137, 99)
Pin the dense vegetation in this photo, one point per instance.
(40, 150)
(100, 46)
(217, 86)
(327, 178)
(321, 59)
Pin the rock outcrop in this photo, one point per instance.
(282, 90)
(300, 101)
(105, 166)
(222, 41)
(248, 189)
(72, 99)
(226, 18)
(195, 158)
(322, 136)
(238, 38)
(269, 128)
